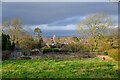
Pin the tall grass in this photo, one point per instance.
(113, 53)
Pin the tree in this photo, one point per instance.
(4, 39)
(38, 32)
(14, 27)
(13, 46)
(95, 26)
(6, 43)
(19, 37)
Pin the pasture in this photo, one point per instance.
(60, 68)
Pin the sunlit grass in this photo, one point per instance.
(59, 68)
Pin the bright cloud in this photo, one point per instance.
(45, 27)
(67, 21)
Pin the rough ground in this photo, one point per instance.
(66, 56)
(104, 57)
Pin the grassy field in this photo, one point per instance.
(59, 68)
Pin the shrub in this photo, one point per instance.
(113, 53)
(50, 50)
(74, 47)
(6, 55)
(25, 58)
(35, 51)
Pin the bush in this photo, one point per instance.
(113, 53)
(50, 50)
(6, 55)
(35, 51)
(25, 58)
(74, 47)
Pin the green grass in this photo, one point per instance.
(59, 68)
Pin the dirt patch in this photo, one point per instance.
(104, 57)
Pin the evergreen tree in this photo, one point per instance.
(8, 44)
(4, 39)
(12, 46)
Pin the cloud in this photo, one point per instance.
(45, 27)
(59, 31)
(115, 20)
(44, 13)
(57, 1)
(47, 31)
(66, 21)
(66, 24)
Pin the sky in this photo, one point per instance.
(60, 0)
(59, 18)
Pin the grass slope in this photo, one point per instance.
(58, 68)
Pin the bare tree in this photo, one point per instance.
(95, 26)
(14, 28)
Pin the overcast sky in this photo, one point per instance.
(51, 16)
